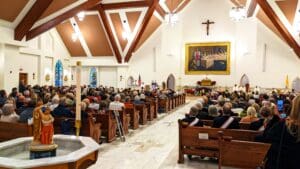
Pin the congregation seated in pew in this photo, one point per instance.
(9, 114)
(95, 104)
(283, 134)
(226, 120)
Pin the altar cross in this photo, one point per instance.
(207, 23)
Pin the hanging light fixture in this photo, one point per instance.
(237, 13)
(74, 37)
(171, 18)
(126, 34)
(81, 15)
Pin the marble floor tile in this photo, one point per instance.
(153, 146)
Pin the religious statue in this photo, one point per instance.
(43, 131)
(47, 129)
(37, 124)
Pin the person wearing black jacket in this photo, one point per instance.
(285, 139)
(269, 122)
(193, 118)
(220, 121)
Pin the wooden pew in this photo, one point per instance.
(170, 104)
(163, 105)
(143, 112)
(184, 98)
(174, 102)
(241, 154)
(125, 120)
(155, 103)
(177, 101)
(134, 117)
(108, 125)
(10, 131)
(58, 122)
(245, 126)
(189, 142)
(208, 123)
(150, 109)
(91, 129)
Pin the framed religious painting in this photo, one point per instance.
(207, 58)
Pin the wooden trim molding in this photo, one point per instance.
(265, 6)
(123, 5)
(30, 18)
(154, 4)
(109, 33)
(55, 21)
(251, 8)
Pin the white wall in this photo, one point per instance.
(247, 42)
(106, 75)
(37, 56)
(280, 60)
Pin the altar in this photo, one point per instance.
(206, 83)
(203, 86)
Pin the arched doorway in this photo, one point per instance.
(130, 82)
(244, 82)
(171, 82)
(296, 84)
(93, 77)
(59, 73)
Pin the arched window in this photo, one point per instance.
(59, 73)
(171, 82)
(93, 77)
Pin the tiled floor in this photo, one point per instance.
(153, 146)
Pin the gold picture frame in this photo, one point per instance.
(207, 58)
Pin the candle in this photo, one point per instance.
(78, 97)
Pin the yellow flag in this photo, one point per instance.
(287, 84)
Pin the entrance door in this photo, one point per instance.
(171, 82)
(23, 77)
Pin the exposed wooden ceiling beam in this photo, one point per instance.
(109, 33)
(122, 5)
(161, 11)
(142, 29)
(251, 8)
(265, 6)
(236, 2)
(182, 6)
(30, 18)
(55, 21)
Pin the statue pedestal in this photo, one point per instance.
(42, 151)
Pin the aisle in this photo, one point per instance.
(152, 147)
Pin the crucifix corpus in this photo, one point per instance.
(207, 23)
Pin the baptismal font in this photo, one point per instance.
(42, 145)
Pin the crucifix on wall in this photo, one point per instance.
(207, 23)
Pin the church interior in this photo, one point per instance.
(149, 84)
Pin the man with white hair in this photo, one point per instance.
(116, 104)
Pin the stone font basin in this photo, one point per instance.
(72, 152)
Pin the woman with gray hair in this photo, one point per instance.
(213, 112)
(9, 114)
(192, 118)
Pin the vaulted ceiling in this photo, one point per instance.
(280, 16)
(101, 33)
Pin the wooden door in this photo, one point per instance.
(23, 77)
